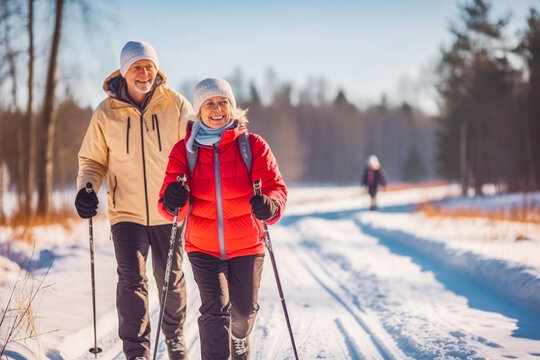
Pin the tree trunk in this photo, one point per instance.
(46, 164)
(478, 171)
(3, 178)
(12, 71)
(463, 168)
(30, 118)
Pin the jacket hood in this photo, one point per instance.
(112, 82)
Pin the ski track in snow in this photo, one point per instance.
(377, 340)
(112, 346)
(353, 340)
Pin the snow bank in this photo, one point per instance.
(518, 283)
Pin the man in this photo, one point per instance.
(128, 141)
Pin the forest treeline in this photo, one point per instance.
(314, 143)
(487, 130)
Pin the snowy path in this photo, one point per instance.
(358, 285)
(429, 311)
(317, 292)
(319, 305)
(354, 292)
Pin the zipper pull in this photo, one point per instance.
(145, 124)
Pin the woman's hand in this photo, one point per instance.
(175, 196)
(263, 207)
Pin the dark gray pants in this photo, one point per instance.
(131, 245)
(229, 292)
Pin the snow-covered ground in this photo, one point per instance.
(391, 284)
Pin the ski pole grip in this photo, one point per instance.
(182, 180)
(89, 187)
(257, 187)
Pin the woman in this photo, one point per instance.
(224, 235)
(373, 176)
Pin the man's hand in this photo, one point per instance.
(86, 203)
(263, 207)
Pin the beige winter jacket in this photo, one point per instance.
(132, 149)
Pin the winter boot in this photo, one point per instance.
(373, 205)
(177, 348)
(239, 348)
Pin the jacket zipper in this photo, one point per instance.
(219, 204)
(127, 134)
(144, 172)
(155, 120)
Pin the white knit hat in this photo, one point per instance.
(210, 87)
(136, 50)
(373, 162)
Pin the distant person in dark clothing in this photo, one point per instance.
(373, 177)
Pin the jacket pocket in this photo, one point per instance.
(155, 126)
(114, 192)
(127, 133)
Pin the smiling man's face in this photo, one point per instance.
(139, 78)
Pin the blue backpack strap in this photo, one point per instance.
(245, 150)
(191, 156)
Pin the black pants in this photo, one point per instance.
(131, 245)
(229, 292)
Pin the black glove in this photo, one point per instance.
(175, 196)
(263, 207)
(86, 203)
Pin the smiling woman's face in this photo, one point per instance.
(216, 112)
(139, 79)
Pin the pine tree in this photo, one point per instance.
(477, 142)
(529, 47)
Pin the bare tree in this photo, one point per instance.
(10, 54)
(45, 173)
(8, 11)
(30, 118)
(3, 184)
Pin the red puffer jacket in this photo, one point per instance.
(220, 222)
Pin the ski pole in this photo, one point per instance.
(94, 350)
(257, 192)
(172, 242)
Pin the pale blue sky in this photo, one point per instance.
(366, 47)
